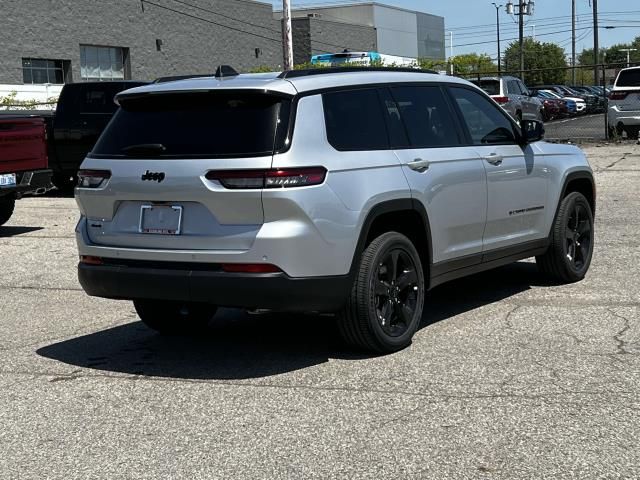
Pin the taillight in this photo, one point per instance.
(250, 268)
(278, 178)
(618, 95)
(501, 100)
(93, 178)
(90, 260)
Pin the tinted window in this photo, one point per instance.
(523, 88)
(197, 125)
(486, 122)
(426, 116)
(629, 78)
(513, 87)
(355, 120)
(492, 87)
(395, 127)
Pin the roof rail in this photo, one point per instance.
(327, 70)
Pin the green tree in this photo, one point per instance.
(543, 62)
(473, 64)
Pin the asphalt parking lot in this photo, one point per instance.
(510, 377)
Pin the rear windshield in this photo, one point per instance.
(196, 125)
(492, 87)
(629, 78)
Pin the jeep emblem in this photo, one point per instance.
(153, 176)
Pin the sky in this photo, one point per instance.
(474, 21)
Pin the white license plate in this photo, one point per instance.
(161, 219)
(7, 180)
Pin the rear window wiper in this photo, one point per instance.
(144, 149)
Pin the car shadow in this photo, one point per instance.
(244, 346)
(10, 231)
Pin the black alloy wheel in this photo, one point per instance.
(395, 292)
(578, 237)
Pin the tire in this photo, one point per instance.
(383, 314)
(7, 205)
(572, 240)
(174, 318)
(632, 132)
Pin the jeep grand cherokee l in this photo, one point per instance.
(351, 191)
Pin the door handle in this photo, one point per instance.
(419, 165)
(494, 159)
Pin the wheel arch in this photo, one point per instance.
(404, 215)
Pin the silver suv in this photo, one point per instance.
(332, 190)
(513, 96)
(624, 104)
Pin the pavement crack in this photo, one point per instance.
(621, 343)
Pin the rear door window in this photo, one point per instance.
(355, 120)
(427, 117)
(629, 78)
(513, 87)
(200, 125)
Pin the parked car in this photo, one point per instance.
(23, 161)
(342, 190)
(623, 114)
(553, 108)
(598, 100)
(83, 111)
(591, 101)
(512, 95)
(580, 104)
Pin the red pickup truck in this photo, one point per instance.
(23, 160)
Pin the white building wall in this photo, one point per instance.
(38, 93)
(397, 31)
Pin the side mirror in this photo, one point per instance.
(532, 131)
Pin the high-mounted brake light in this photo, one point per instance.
(278, 178)
(93, 178)
(501, 100)
(619, 95)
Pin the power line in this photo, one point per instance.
(512, 39)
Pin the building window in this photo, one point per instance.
(39, 70)
(103, 63)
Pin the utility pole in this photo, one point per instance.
(573, 42)
(498, 7)
(287, 41)
(525, 7)
(521, 34)
(596, 46)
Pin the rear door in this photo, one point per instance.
(516, 177)
(159, 149)
(444, 174)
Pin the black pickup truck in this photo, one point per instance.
(82, 113)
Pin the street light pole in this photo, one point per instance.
(628, 50)
(498, 7)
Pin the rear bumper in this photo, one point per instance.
(29, 182)
(626, 117)
(180, 282)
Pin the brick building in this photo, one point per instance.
(59, 41)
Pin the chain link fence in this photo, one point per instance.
(573, 102)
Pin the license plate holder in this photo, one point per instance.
(8, 180)
(161, 219)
